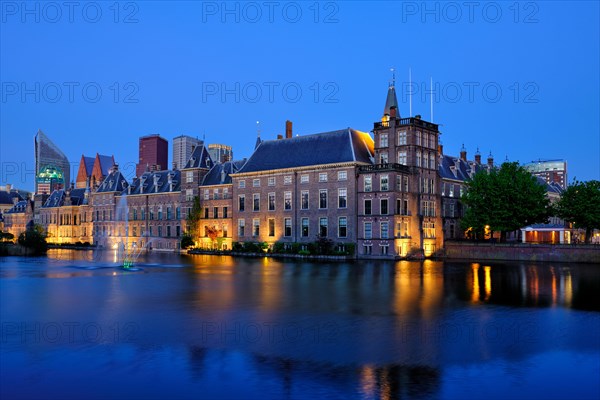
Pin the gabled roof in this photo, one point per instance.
(345, 145)
(199, 159)
(7, 198)
(146, 182)
(20, 207)
(105, 163)
(114, 182)
(89, 165)
(220, 173)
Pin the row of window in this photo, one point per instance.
(287, 179)
(322, 200)
(215, 212)
(402, 229)
(135, 216)
(401, 207)
(421, 139)
(216, 194)
(342, 228)
(424, 159)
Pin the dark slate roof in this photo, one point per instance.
(20, 207)
(105, 163)
(114, 182)
(57, 198)
(199, 159)
(89, 164)
(220, 173)
(391, 101)
(458, 169)
(257, 143)
(345, 145)
(7, 198)
(162, 179)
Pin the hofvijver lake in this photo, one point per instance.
(75, 326)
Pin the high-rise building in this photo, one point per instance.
(220, 153)
(154, 154)
(52, 168)
(550, 171)
(183, 147)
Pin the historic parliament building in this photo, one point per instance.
(393, 194)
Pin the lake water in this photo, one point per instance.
(74, 326)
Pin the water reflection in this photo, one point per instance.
(287, 328)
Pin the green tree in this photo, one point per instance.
(580, 204)
(186, 241)
(193, 219)
(506, 199)
(34, 239)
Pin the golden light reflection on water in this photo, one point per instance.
(418, 287)
(488, 282)
(475, 291)
(368, 382)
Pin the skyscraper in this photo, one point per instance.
(183, 147)
(220, 153)
(52, 168)
(154, 154)
(550, 171)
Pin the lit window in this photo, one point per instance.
(402, 157)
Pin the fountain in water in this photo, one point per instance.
(127, 253)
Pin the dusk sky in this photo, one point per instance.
(518, 79)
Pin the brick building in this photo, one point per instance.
(153, 154)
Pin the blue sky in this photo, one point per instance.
(518, 79)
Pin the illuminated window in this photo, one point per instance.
(368, 179)
(384, 230)
(384, 183)
(368, 230)
(402, 157)
(401, 138)
(383, 140)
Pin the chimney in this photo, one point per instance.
(155, 183)
(142, 181)
(8, 187)
(174, 166)
(288, 129)
(279, 137)
(393, 112)
(478, 157)
(463, 153)
(440, 149)
(490, 160)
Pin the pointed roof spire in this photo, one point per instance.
(258, 141)
(391, 100)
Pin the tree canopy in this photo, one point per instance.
(580, 204)
(504, 199)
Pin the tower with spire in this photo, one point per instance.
(405, 178)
